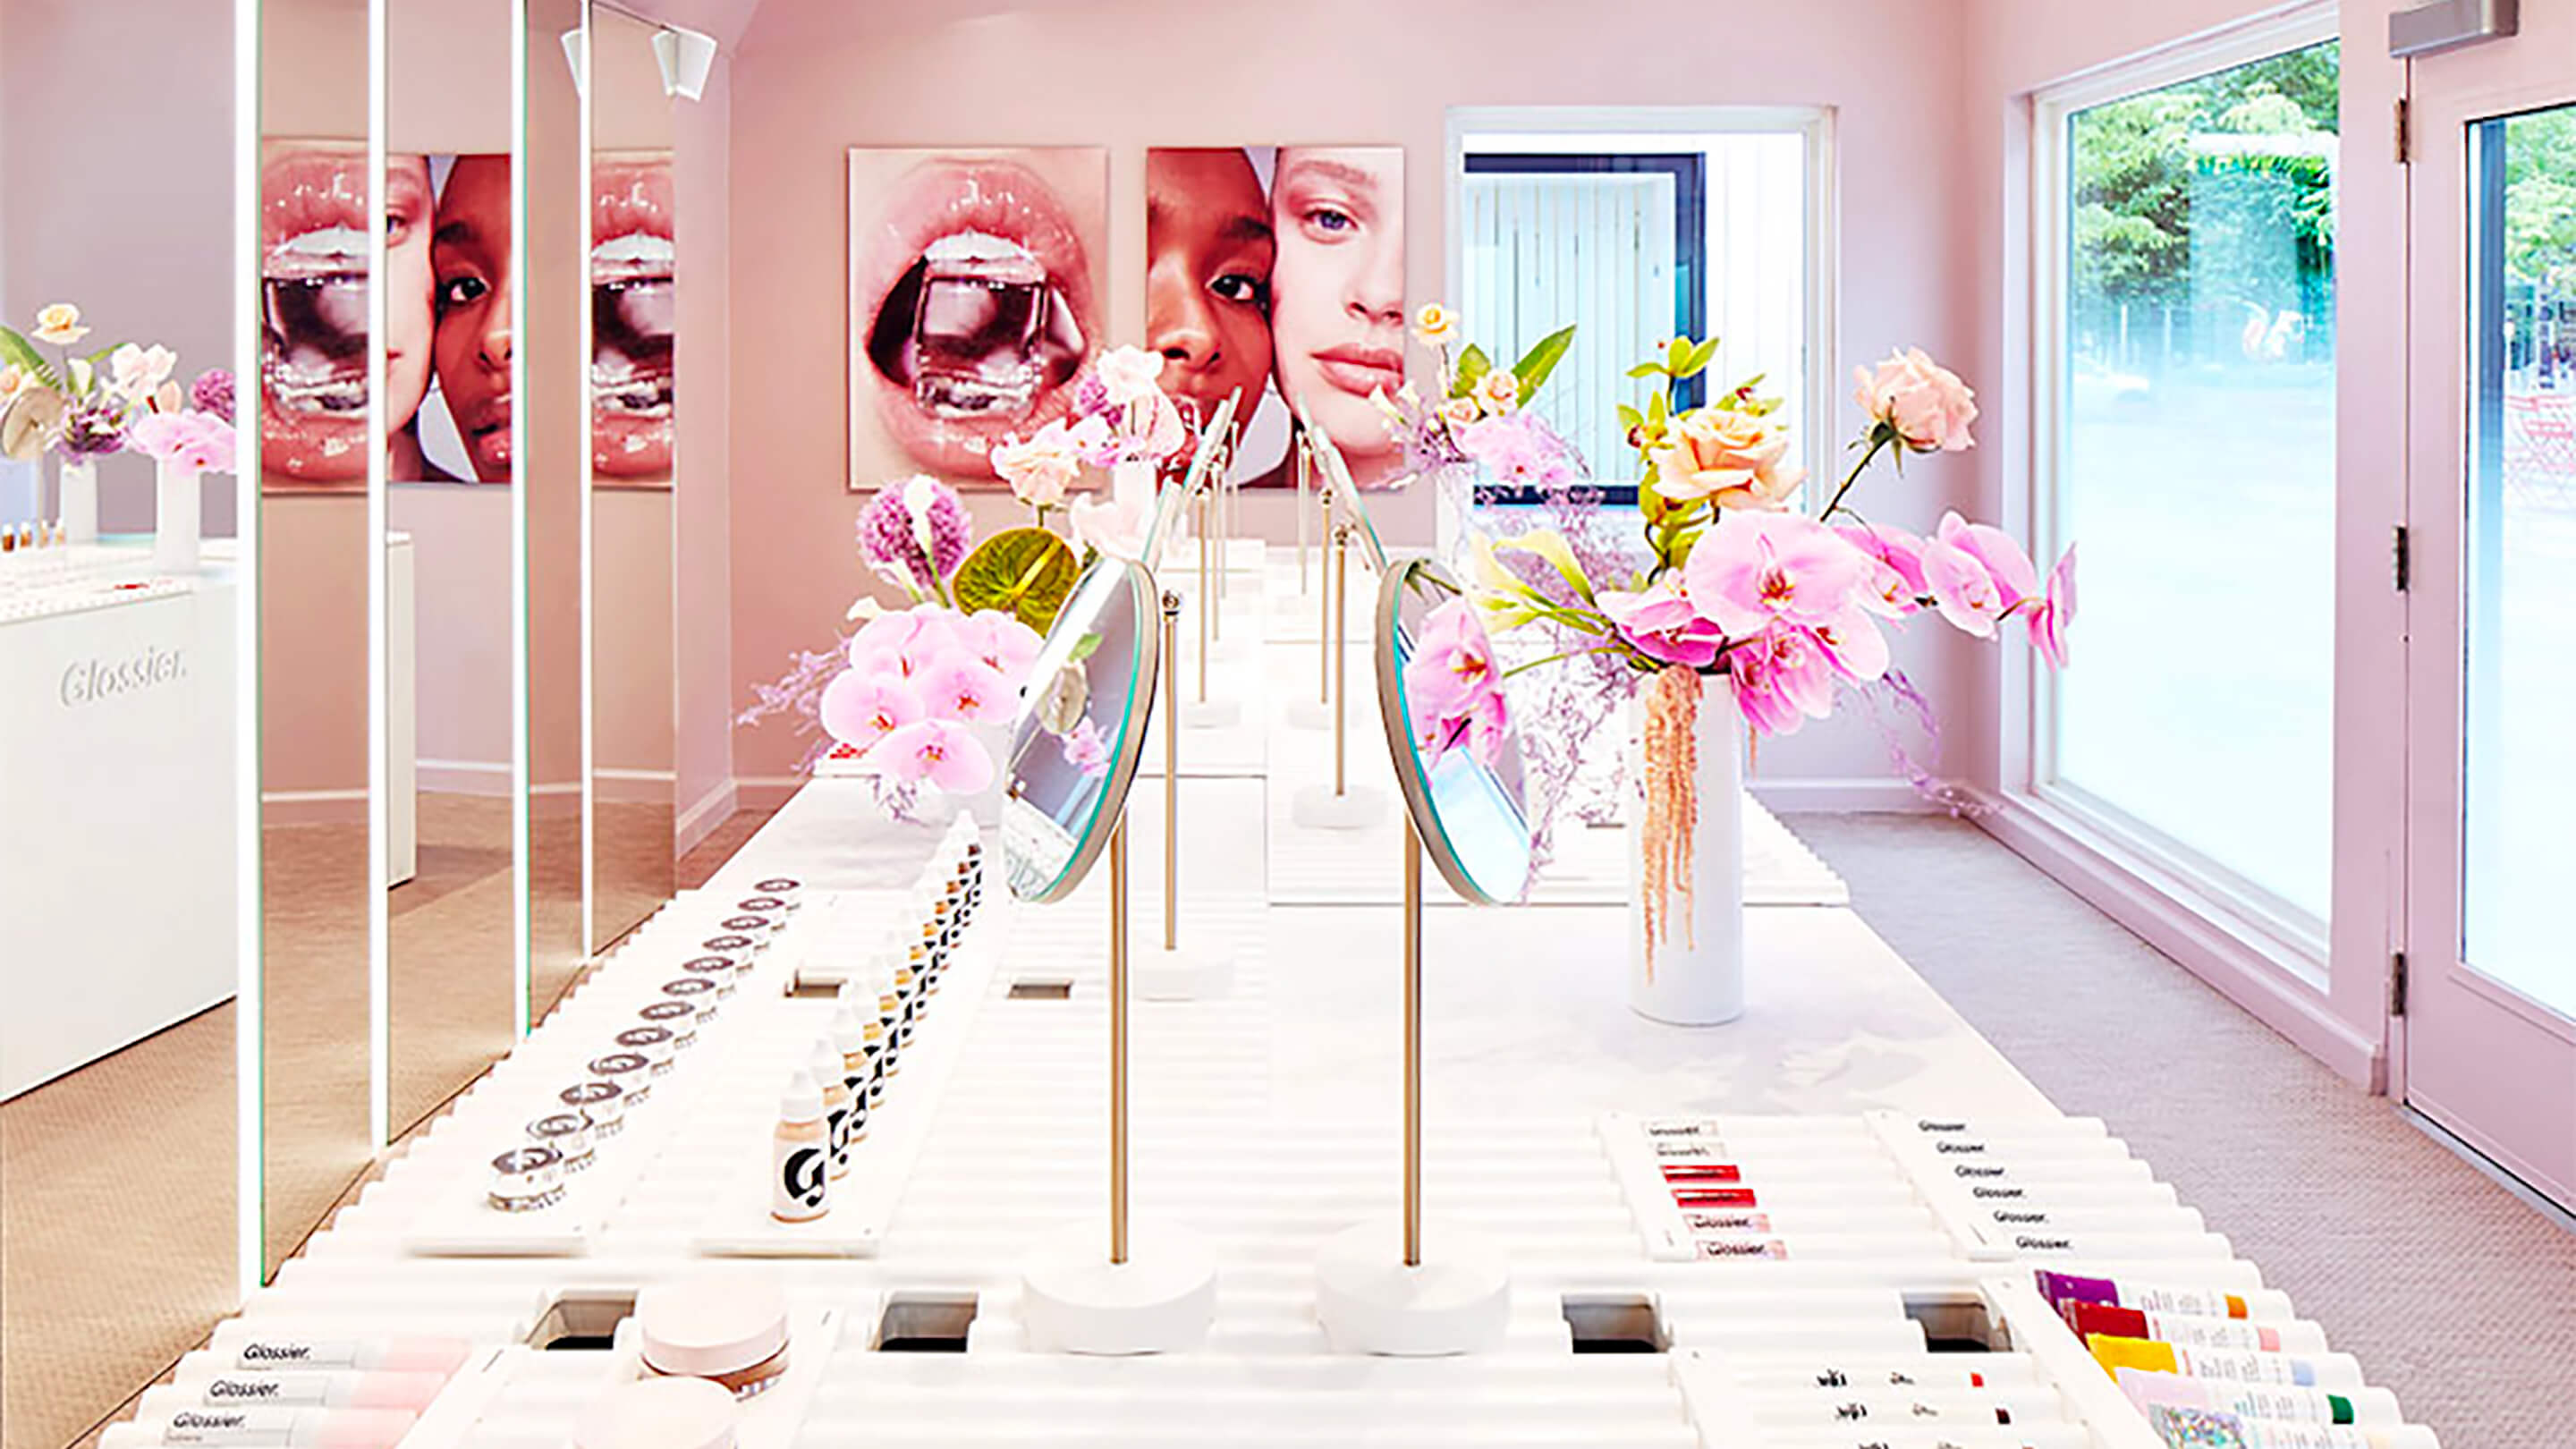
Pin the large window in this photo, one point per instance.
(2187, 444)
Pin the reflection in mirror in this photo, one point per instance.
(315, 211)
(1334, 472)
(551, 437)
(1080, 730)
(119, 690)
(632, 311)
(451, 917)
(1456, 754)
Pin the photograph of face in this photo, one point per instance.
(1280, 272)
(634, 309)
(976, 296)
(465, 425)
(313, 312)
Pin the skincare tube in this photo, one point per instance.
(248, 1346)
(1763, 1373)
(2336, 1371)
(2261, 1305)
(2216, 1426)
(2296, 1335)
(202, 1383)
(280, 1428)
(2367, 1406)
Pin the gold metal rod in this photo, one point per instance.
(1207, 601)
(1324, 602)
(1171, 774)
(1412, 1045)
(1305, 484)
(1118, 1043)
(1340, 657)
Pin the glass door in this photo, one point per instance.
(2489, 1023)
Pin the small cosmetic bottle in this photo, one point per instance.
(526, 1179)
(849, 1042)
(660, 1413)
(629, 1071)
(923, 961)
(800, 1163)
(569, 1134)
(824, 1066)
(727, 1329)
(655, 1044)
(678, 1018)
(601, 1102)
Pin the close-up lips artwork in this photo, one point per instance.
(313, 334)
(976, 310)
(634, 311)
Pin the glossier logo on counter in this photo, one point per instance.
(92, 681)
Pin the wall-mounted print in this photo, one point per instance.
(634, 312)
(976, 296)
(1278, 273)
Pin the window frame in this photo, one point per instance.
(2290, 934)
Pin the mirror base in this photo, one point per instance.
(1458, 1301)
(1309, 714)
(1211, 714)
(1161, 1300)
(1318, 808)
(1182, 975)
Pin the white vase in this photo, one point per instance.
(78, 505)
(175, 523)
(1697, 974)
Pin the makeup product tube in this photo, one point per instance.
(800, 1168)
(281, 1428)
(2337, 1371)
(249, 1348)
(2190, 1428)
(2367, 1406)
(2295, 1335)
(1877, 1373)
(1885, 1436)
(311, 1388)
(660, 1413)
(2261, 1305)
(730, 1329)
(1933, 1407)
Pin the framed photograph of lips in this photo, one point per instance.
(634, 307)
(1278, 273)
(976, 295)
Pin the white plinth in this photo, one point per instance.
(1188, 974)
(1317, 808)
(1309, 714)
(1458, 1301)
(1211, 714)
(1161, 1300)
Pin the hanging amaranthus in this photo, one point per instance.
(1671, 780)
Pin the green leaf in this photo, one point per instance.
(1646, 369)
(1023, 572)
(1472, 364)
(1541, 359)
(1630, 418)
(1676, 354)
(1084, 648)
(1700, 357)
(1657, 409)
(16, 351)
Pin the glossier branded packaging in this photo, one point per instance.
(728, 1329)
(660, 1413)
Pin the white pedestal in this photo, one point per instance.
(1309, 714)
(1161, 1300)
(1188, 974)
(1210, 714)
(1317, 808)
(1458, 1301)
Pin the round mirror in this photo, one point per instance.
(1457, 755)
(1080, 730)
(1336, 473)
(1169, 503)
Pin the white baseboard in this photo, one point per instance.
(1843, 795)
(634, 787)
(313, 807)
(2200, 933)
(465, 777)
(700, 817)
(766, 792)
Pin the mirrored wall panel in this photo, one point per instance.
(633, 312)
(317, 204)
(451, 916)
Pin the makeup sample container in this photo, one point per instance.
(786, 887)
(629, 1072)
(678, 1018)
(699, 992)
(858, 1065)
(525, 1179)
(721, 970)
(657, 1045)
(800, 1159)
(764, 904)
(569, 1134)
(282, 1428)
(660, 1413)
(759, 927)
(729, 1329)
(734, 943)
(601, 1102)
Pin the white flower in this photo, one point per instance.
(60, 324)
(135, 372)
(919, 492)
(1042, 468)
(1129, 373)
(1115, 528)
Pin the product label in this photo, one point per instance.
(2206, 1333)
(1929, 1125)
(274, 1353)
(1997, 1192)
(1970, 1169)
(2034, 1243)
(1727, 1222)
(1958, 1147)
(240, 1427)
(800, 1188)
(2243, 1368)
(1710, 1248)
(2188, 1302)
(262, 1388)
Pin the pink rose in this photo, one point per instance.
(1925, 403)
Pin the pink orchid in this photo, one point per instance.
(2056, 610)
(1660, 623)
(1961, 586)
(1897, 560)
(861, 709)
(1453, 689)
(967, 689)
(1085, 750)
(941, 751)
(1782, 679)
(1757, 569)
(1852, 645)
(1995, 550)
(196, 442)
(1006, 645)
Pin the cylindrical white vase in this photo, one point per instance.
(175, 524)
(78, 506)
(1697, 976)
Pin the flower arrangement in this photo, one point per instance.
(916, 684)
(1120, 415)
(1788, 607)
(88, 406)
(1482, 415)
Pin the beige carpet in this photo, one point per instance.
(2454, 1293)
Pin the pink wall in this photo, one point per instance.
(702, 171)
(816, 76)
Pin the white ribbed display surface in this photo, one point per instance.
(1587, 1143)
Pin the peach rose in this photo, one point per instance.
(1499, 392)
(1735, 460)
(59, 324)
(1926, 403)
(1461, 411)
(1435, 325)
